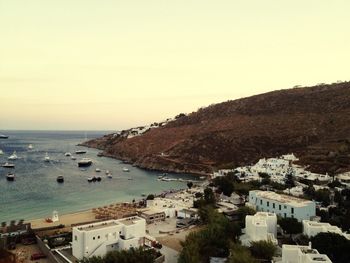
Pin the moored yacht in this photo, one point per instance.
(2, 136)
(47, 158)
(13, 156)
(60, 179)
(8, 165)
(84, 162)
(10, 177)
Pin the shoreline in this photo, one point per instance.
(85, 215)
(126, 161)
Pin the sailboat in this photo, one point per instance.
(13, 156)
(47, 158)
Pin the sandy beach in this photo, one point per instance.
(67, 219)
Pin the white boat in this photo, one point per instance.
(13, 156)
(109, 176)
(67, 154)
(47, 158)
(97, 170)
(30, 147)
(8, 165)
(10, 177)
(1, 152)
(85, 162)
(126, 169)
(107, 172)
(73, 158)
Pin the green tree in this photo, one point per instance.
(150, 197)
(240, 254)
(242, 212)
(209, 196)
(189, 185)
(335, 246)
(290, 225)
(263, 249)
(133, 255)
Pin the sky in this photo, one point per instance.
(110, 65)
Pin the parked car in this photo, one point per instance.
(28, 241)
(11, 246)
(37, 256)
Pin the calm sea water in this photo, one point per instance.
(35, 192)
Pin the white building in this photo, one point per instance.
(282, 205)
(312, 228)
(302, 254)
(261, 226)
(344, 178)
(99, 238)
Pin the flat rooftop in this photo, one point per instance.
(282, 198)
(110, 223)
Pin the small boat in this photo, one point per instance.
(97, 170)
(130, 179)
(1, 152)
(126, 169)
(60, 179)
(10, 177)
(13, 156)
(30, 147)
(73, 158)
(107, 172)
(80, 152)
(2, 136)
(90, 179)
(85, 162)
(8, 165)
(109, 176)
(47, 158)
(83, 169)
(98, 178)
(100, 154)
(67, 154)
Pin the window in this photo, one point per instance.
(279, 207)
(285, 215)
(268, 204)
(93, 238)
(285, 207)
(75, 238)
(261, 202)
(273, 205)
(292, 210)
(98, 237)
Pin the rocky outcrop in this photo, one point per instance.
(312, 122)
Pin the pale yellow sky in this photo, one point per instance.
(92, 64)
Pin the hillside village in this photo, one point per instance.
(277, 211)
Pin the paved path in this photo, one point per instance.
(171, 255)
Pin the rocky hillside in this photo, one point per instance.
(312, 122)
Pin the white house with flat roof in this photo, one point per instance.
(99, 238)
(261, 226)
(312, 228)
(302, 254)
(282, 205)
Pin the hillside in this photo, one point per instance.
(312, 122)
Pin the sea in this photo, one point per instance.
(35, 192)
